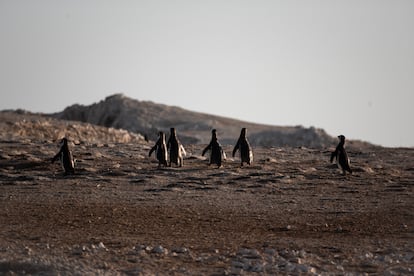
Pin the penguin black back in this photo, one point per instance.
(341, 156)
(160, 149)
(243, 145)
(175, 148)
(216, 151)
(65, 157)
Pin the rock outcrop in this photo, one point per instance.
(18, 125)
(147, 118)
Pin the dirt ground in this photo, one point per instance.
(291, 212)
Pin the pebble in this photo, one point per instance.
(180, 250)
(159, 250)
(267, 260)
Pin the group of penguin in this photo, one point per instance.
(175, 150)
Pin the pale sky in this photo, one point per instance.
(344, 66)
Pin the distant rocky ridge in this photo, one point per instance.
(120, 112)
(22, 125)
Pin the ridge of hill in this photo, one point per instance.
(145, 117)
(17, 125)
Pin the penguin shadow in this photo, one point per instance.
(58, 172)
(86, 169)
(155, 168)
(22, 165)
(30, 169)
(334, 173)
(358, 171)
(187, 169)
(63, 175)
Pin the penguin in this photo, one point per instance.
(246, 153)
(175, 149)
(161, 150)
(216, 151)
(341, 156)
(65, 157)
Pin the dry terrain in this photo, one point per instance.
(291, 212)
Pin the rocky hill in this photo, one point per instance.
(22, 125)
(147, 118)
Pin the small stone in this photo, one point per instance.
(369, 255)
(235, 271)
(28, 250)
(101, 246)
(302, 268)
(257, 268)
(270, 251)
(298, 261)
(237, 264)
(159, 250)
(302, 253)
(388, 259)
(408, 257)
(340, 268)
(180, 250)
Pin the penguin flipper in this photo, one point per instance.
(333, 155)
(152, 150)
(236, 147)
(183, 150)
(206, 149)
(57, 156)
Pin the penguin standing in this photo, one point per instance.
(65, 157)
(341, 156)
(175, 149)
(246, 153)
(216, 151)
(161, 150)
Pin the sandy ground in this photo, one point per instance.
(291, 212)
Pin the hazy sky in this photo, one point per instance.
(344, 66)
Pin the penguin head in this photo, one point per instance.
(214, 134)
(341, 138)
(172, 131)
(64, 141)
(243, 132)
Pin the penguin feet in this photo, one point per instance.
(66, 173)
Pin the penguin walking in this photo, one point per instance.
(65, 157)
(246, 153)
(161, 150)
(216, 151)
(341, 156)
(175, 149)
